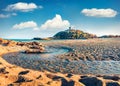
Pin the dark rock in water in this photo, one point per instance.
(67, 83)
(69, 75)
(116, 78)
(37, 38)
(84, 76)
(91, 81)
(112, 84)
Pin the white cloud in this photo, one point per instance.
(7, 15)
(99, 12)
(56, 23)
(21, 6)
(50, 25)
(4, 16)
(24, 25)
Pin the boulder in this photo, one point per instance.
(21, 43)
(91, 81)
(33, 47)
(11, 43)
(115, 78)
(112, 84)
(34, 51)
(1, 40)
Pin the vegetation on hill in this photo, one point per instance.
(73, 34)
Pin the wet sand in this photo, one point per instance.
(11, 75)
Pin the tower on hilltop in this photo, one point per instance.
(70, 28)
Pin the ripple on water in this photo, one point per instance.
(48, 62)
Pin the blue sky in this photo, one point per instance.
(43, 18)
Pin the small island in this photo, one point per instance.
(70, 33)
(73, 34)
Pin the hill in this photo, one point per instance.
(73, 34)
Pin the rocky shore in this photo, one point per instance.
(12, 75)
(90, 49)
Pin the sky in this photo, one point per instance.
(23, 19)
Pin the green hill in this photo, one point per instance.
(73, 34)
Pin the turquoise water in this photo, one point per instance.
(50, 62)
(30, 40)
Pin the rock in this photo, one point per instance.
(20, 43)
(116, 78)
(7, 42)
(3, 71)
(54, 77)
(22, 79)
(23, 72)
(34, 51)
(39, 77)
(91, 81)
(84, 76)
(69, 75)
(14, 84)
(67, 83)
(1, 40)
(33, 47)
(112, 84)
(11, 43)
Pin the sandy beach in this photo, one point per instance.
(13, 75)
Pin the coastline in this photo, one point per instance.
(12, 75)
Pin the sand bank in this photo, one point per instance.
(12, 75)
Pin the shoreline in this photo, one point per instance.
(12, 75)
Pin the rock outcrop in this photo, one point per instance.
(7, 42)
(33, 47)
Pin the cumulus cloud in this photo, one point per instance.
(24, 25)
(7, 15)
(99, 12)
(56, 23)
(21, 6)
(52, 24)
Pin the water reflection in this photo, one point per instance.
(48, 61)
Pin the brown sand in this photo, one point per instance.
(11, 75)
